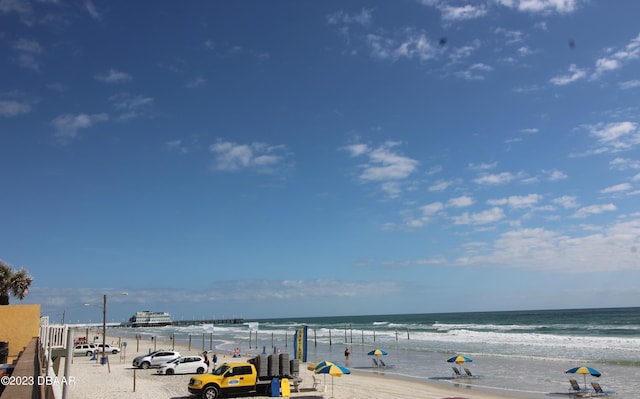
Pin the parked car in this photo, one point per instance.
(184, 365)
(84, 349)
(155, 359)
(108, 349)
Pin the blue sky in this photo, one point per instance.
(301, 158)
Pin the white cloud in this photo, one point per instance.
(574, 75)
(364, 17)
(440, 185)
(27, 51)
(555, 175)
(616, 188)
(25, 10)
(385, 165)
(434, 170)
(543, 6)
(458, 54)
(17, 6)
(392, 188)
(130, 105)
(28, 46)
(525, 51)
(629, 84)
(489, 216)
(261, 157)
(176, 146)
(606, 64)
(195, 82)
(609, 249)
(67, 125)
(593, 210)
(408, 44)
(461, 202)
(511, 36)
(128, 101)
(474, 72)
(357, 149)
(482, 166)
(432, 209)
(463, 13)
(616, 136)
(624, 164)
(541, 25)
(113, 76)
(613, 131)
(617, 59)
(13, 108)
(567, 201)
(91, 9)
(517, 201)
(451, 13)
(495, 179)
(530, 180)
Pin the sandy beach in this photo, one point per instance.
(118, 379)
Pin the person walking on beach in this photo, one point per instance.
(215, 360)
(346, 355)
(206, 359)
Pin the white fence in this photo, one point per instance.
(52, 336)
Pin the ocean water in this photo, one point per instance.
(524, 353)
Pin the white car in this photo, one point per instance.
(184, 365)
(84, 349)
(155, 359)
(108, 349)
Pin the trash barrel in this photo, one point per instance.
(103, 360)
(294, 366)
(275, 388)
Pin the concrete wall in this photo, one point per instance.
(18, 325)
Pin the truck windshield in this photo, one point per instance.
(220, 370)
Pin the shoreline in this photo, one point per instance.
(118, 378)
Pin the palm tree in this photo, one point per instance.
(13, 282)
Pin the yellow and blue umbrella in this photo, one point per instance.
(584, 370)
(333, 369)
(315, 365)
(459, 359)
(377, 352)
(320, 364)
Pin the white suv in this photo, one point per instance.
(155, 359)
(84, 349)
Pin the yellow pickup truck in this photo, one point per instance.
(229, 379)
(262, 375)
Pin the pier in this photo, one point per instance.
(183, 323)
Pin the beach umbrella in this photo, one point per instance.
(320, 364)
(584, 370)
(333, 369)
(377, 352)
(315, 365)
(459, 359)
